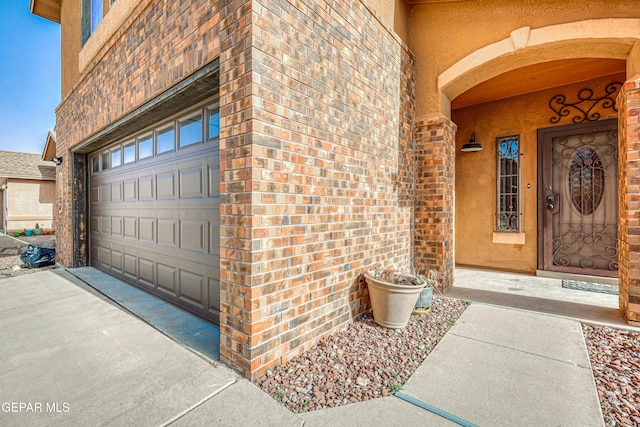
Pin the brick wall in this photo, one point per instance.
(158, 45)
(316, 172)
(317, 181)
(629, 209)
(434, 139)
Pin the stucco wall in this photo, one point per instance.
(29, 202)
(71, 40)
(475, 183)
(442, 33)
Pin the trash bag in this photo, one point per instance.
(36, 257)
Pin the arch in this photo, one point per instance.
(594, 38)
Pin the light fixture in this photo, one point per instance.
(472, 145)
(57, 161)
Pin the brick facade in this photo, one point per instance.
(317, 172)
(316, 156)
(434, 139)
(156, 47)
(629, 209)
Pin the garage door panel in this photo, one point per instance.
(146, 186)
(105, 256)
(116, 225)
(94, 194)
(147, 229)
(129, 186)
(191, 183)
(214, 294)
(167, 232)
(116, 260)
(130, 227)
(166, 186)
(213, 172)
(146, 269)
(166, 278)
(105, 224)
(214, 238)
(104, 193)
(192, 236)
(130, 264)
(94, 223)
(192, 288)
(116, 191)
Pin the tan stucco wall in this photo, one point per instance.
(400, 19)
(383, 9)
(475, 187)
(71, 39)
(76, 57)
(440, 34)
(29, 202)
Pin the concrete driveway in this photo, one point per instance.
(68, 356)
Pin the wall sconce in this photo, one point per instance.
(57, 161)
(472, 145)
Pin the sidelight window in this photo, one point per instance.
(508, 173)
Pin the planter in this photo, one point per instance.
(423, 305)
(17, 234)
(37, 231)
(28, 232)
(392, 304)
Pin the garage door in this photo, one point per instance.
(155, 210)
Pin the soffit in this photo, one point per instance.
(47, 9)
(538, 77)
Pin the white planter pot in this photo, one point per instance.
(392, 304)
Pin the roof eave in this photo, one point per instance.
(47, 9)
(49, 151)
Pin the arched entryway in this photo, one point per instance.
(503, 93)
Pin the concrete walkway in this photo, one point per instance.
(71, 357)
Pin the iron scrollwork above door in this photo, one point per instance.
(584, 107)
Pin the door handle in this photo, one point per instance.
(550, 206)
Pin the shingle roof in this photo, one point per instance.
(25, 165)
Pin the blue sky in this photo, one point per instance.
(29, 77)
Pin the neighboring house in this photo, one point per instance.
(27, 188)
(249, 159)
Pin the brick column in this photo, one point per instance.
(434, 139)
(629, 207)
(235, 192)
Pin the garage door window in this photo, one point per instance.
(213, 116)
(191, 130)
(129, 153)
(145, 147)
(201, 125)
(116, 158)
(165, 140)
(104, 161)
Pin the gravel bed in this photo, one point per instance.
(363, 362)
(615, 360)
(11, 266)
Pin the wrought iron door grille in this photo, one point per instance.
(585, 180)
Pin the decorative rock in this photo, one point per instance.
(358, 363)
(363, 382)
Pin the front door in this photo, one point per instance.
(578, 198)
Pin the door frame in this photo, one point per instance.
(544, 146)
